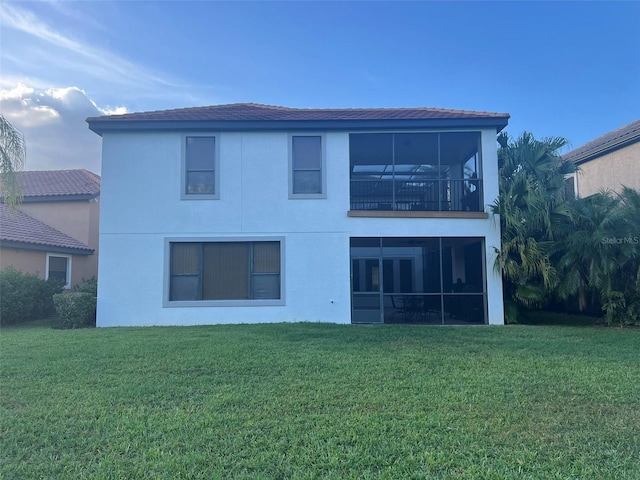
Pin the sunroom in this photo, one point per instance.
(416, 171)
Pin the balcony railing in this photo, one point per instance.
(423, 195)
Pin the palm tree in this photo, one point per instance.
(12, 157)
(630, 277)
(586, 260)
(532, 210)
(599, 259)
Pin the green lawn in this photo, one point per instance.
(320, 401)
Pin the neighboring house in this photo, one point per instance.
(54, 231)
(250, 213)
(608, 162)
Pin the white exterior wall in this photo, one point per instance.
(141, 207)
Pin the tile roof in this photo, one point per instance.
(244, 115)
(59, 183)
(17, 226)
(258, 112)
(609, 141)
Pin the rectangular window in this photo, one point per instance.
(307, 167)
(570, 187)
(225, 271)
(59, 267)
(416, 171)
(200, 167)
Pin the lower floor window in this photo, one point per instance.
(225, 271)
(59, 268)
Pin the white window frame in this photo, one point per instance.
(221, 303)
(67, 284)
(323, 167)
(574, 177)
(183, 168)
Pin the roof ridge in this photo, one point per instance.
(345, 109)
(626, 132)
(298, 109)
(618, 132)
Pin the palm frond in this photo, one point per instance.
(12, 157)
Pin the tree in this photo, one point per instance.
(532, 208)
(585, 259)
(12, 156)
(599, 259)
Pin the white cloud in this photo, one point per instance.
(44, 48)
(53, 123)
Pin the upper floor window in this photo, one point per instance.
(307, 167)
(416, 171)
(200, 174)
(570, 187)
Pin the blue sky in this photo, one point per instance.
(560, 69)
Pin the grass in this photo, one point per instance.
(320, 401)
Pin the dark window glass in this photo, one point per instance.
(200, 160)
(569, 189)
(58, 268)
(306, 164)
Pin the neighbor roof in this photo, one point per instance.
(256, 116)
(19, 230)
(606, 143)
(58, 185)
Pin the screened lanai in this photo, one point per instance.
(416, 171)
(418, 280)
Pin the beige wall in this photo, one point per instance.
(78, 219)
(611, 171)
(28, 261)
(34, 261)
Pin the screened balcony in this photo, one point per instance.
(416, 171)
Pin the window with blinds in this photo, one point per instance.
(224, 271)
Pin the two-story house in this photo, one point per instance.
(249, 213)
(608, 162)
(54, 231)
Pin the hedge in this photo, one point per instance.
(25, 297)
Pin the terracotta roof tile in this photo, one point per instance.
(609, 141)
(52, 183)
(17, 226)
(258, 112)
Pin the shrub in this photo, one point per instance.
(75, 309)
(24, 296)
(88, 286)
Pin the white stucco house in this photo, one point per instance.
(248, 213)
